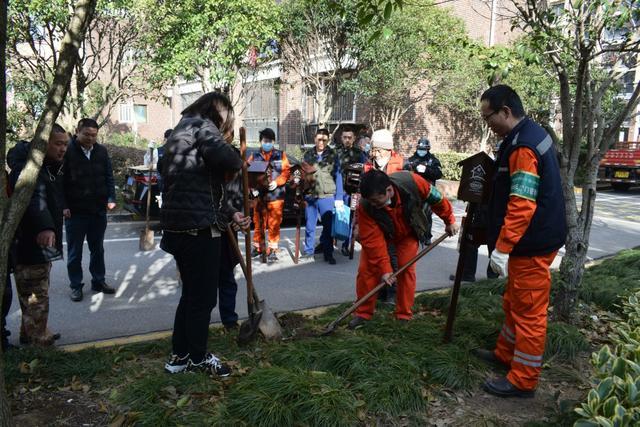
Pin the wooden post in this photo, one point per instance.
(464, 247)
(475, 188)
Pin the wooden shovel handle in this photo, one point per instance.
(247, 239)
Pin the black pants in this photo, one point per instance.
(227, 285)
(198, 258)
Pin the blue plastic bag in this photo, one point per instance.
(341, 223)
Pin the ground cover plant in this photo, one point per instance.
(386, 373)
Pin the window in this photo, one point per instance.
(262, 108)
(140, 112)
(125, 113)
(343, 106)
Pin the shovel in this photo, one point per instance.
(260, 315)
(147, 242)
(261, 318)
(333, 325)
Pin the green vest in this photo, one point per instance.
(412, 205)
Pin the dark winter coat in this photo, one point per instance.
(433, 169)
(44, 211)
(88, 183)
(195, 163)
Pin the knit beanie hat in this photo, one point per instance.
(382, 138)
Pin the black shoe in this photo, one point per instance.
(330, 259)
(357, 323)
(488, 356)
(501, 387)
(176, 364)
(102, 287)
(318, 249)
(255, 253)
(210, 365)
(272, 257)
(345, 251)
(76, 295)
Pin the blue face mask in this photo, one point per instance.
(267, 146)
(367, 148)
(421, 153)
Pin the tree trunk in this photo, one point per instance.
(12, 209)
(577, 243)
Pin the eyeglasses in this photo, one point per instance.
(486, 118)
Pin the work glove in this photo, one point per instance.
(273, 185)
(499, 262)
(421, 168)
(338, 204)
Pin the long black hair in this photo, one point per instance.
(216, 107)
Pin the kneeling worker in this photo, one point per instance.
(392, 223)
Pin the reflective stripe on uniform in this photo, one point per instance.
(526, 362)
(527, 356)
(508, 331)
(507, 337)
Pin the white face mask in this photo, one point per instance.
(382, 162)
(388, 202)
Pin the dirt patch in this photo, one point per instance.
(59, 408)
(561, 389)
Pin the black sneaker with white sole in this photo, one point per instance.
(210, 365)
(176, 364)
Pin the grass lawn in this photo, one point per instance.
(384, 374)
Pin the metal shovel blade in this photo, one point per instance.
(269, 325)
(147, 242)
(249, 328)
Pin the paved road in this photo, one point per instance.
(148, 289)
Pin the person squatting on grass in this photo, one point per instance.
(392, 223)
(527, 226)
(38, 239)
(198, 162)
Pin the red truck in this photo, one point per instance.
(621, 166)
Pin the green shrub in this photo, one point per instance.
(615, 400)
(564, 341)
(128, 139)
(449, 161)
(283, 397)
(606, 283)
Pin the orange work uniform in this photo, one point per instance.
(375, 260)
(526, 298)
(269, 214)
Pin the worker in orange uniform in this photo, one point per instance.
(527, 226)
(273, 197)
(392, 223)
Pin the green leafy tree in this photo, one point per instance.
(316, 49)
(12, 209)
(108, 69)
(210, 41)
(420, 57)
(591, 45)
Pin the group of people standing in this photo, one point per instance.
(201, 212)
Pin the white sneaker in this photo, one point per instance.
(176, 364)
(211, 365)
